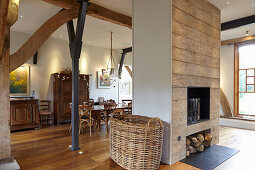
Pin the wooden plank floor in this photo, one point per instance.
(242, 140)
(48, 148)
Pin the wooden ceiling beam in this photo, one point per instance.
(67, 4)
(238, 40)
(96, 11)
(32, 45)
(225, 105)
(238, 23)
(129, 71)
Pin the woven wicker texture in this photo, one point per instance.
(136, 141)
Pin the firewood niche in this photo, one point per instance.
(198, 142)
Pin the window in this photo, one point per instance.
(245, 79)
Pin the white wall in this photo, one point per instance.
(227, 72)
(125, 77)
(129, 59)
(54, 56)
(152, 63)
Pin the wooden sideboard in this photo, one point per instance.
(24, 114)
(62, 92)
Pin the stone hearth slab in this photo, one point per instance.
(211, 157)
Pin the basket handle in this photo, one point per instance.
(155, 118)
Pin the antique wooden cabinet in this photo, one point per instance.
(62, 92)
(24, 114)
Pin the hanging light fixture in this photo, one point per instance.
(247, 33)
(111, 66)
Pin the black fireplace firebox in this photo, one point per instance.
(198, 104)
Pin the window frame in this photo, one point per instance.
(236, 77)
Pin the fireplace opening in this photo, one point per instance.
(198, 142)
(198, 102)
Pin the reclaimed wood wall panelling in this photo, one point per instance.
(184, 18)
(191, 33)
(196, 12)
(185, 43)
(195, 58)
(207, 7)
(182, 80)
(180, 67)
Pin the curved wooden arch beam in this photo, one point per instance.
(225, 105)
(40, 36)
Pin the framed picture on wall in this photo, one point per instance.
(125, 88)
(103, 80)
(19, 81)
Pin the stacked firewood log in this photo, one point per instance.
(197, 143)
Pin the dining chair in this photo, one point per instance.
(91, 100)
(125, 102)
(109, 108)
(90, 103)
(85, 112)
(128, 103)
(44, 111)
(117, 113)
(85, 117)
(129, 110)
(111, 101)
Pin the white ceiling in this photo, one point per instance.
(97, 32)
(234, 10)
(238, 32)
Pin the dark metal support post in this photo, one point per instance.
(75, 50)
(124, 52)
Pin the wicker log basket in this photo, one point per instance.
(136, 141)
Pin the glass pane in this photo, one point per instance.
(246, 56)
(242, 80)
(250, 72)
(250, 88)
(246, 103)
(250, 80)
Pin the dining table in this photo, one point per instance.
(98, 110)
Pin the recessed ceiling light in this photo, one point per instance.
(60, 36)
(21, 16)
(70, 146)
(228, 2)
(80, 152)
